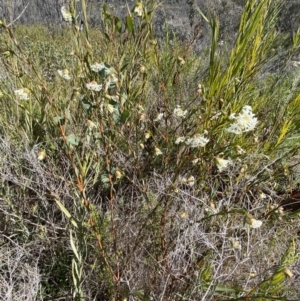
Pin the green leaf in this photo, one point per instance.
(123, 98)
(124, 116)
(104, 8)
(124, 67)
(116, 117)
(73, 246)
(66, 212)
(72, 140)
(58, 120)
(129, 24)
(118, 24)
(202, 15)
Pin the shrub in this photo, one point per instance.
(146, 172)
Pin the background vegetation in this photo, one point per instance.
(133, 168)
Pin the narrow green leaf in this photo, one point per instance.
(66, 212)
(75, 273)
(201, 13)
(129, 24)
(104, 8)
(73, 246)
(123, 98)
(118, 25)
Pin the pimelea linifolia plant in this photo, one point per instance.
(139, 171)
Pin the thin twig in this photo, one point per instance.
(18, 16)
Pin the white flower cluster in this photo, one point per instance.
(93, 86)
(253, 223)
(159, 117)
(138, 9)
(222, 164)
(178, 112)
(64, 74)
(196, 141)
(67, 16)
(22, 94)
(97, 67)
(244, 121)
(158, 152)
(190, 181)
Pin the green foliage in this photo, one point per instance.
(159, 171)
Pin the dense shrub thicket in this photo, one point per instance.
(136, 169)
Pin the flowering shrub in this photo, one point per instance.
(118, 144)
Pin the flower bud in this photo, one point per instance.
(41, 155)
(142, 69)
(181, 61)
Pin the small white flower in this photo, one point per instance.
(118, 174)
(93, 86)
(181, 61)
(240, 151)
(191, 181)
(195, 161)
(262, 195)
(67, 16)
(196, 141)
(244, 121)
(158, 152)
(281, 210)
(222, 164)
(97, 67)
(147, 135)
(178, 112)
(199, 89)
(184, 215)
(138, 9)
(22, 94)
(236, 244)
(253, 223)
(64, 74)
(41, 155)
(179, 140)
(159, 117)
